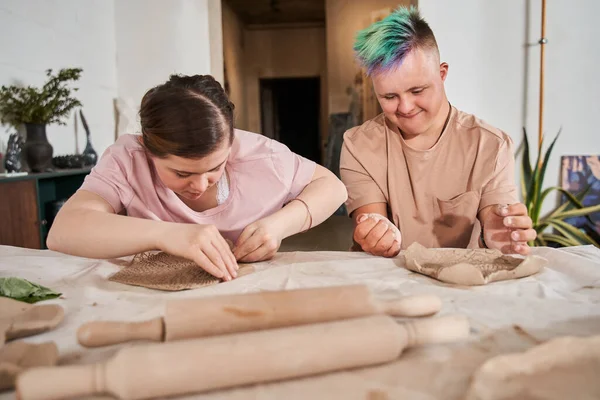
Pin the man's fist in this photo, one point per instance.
(377, 235)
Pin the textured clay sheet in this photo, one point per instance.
(470, 266)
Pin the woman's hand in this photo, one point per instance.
(260, 240)
(320, 198)
(202, 244)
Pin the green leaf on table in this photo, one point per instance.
(23, 290)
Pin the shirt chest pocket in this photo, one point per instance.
(455, 218)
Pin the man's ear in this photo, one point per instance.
(443, 71)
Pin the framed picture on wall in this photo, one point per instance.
(577, 173)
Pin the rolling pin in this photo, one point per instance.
(199, 365)
(194, 318)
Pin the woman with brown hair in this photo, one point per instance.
(193, 186)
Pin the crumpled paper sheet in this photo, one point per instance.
(470, 266)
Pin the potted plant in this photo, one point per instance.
(36, 108)
(532, 179)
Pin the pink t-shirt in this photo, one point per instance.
(263, 175)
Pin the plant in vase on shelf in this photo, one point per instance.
(37, 107)
(532, 179)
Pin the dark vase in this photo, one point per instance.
(38, 152)
(90, 157)
(89, 154)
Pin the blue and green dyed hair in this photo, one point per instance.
(386, 43)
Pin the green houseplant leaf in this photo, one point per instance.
(580, 212)
(558, 239)
(570, 231)
(23, 290)
(49, 104)
(526, 165)
(541, 172)
(532, 179)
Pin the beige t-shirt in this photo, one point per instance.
(433, 196)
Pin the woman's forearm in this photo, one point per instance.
(323, 196)
(98, 234)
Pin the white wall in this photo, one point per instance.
(157, 38)
(42, 34)
(215, 36)
(124, 48)
(494, 67)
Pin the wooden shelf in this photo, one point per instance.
(27, 202)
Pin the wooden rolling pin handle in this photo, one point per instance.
(69, 382)
(411, 306)
(105, 333)
(445, 329)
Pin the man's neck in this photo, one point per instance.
(428, 139)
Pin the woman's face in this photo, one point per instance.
(191, 178)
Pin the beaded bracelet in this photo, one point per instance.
(308, 211)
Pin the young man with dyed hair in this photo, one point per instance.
(435, 173)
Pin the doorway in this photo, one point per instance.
(290, 114)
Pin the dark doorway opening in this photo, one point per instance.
(290, 114)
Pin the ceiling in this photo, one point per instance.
(266, 12)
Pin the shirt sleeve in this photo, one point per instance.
(362, 188)
(108, 179)
(294, 171)
(501, 188)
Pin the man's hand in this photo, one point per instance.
(377, 235)
(507, 228)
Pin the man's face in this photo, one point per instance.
(412, 95)
(191, 178)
